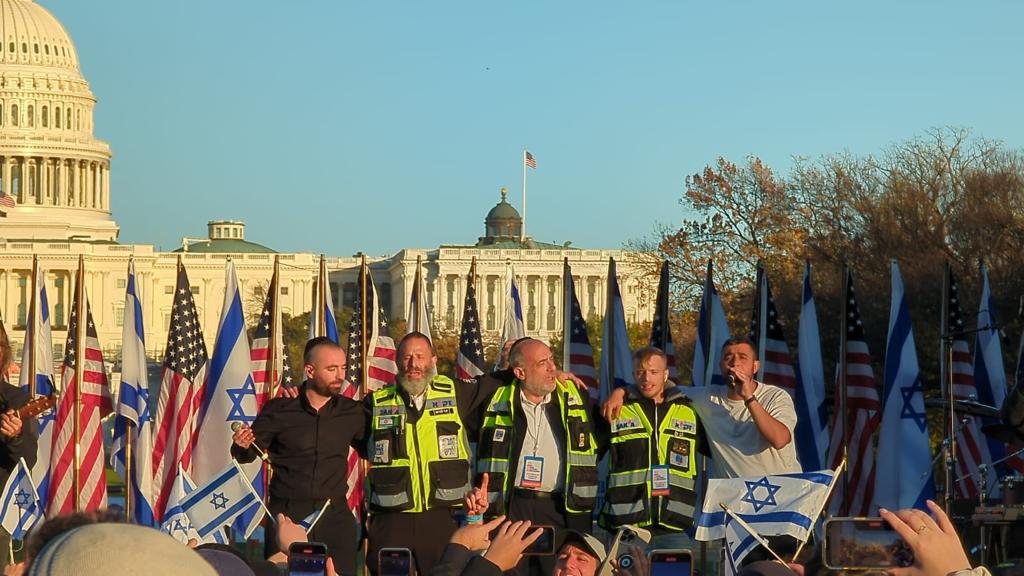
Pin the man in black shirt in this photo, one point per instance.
(307, 440)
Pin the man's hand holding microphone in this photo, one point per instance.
(244, 437)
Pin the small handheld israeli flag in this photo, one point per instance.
(310, 521)
(218, 502)
(22, 509)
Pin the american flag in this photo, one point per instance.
(469, 361)
(661, 328)
(863, 416)
(528, 159)
(96, 404)
(375, 338)
(578, 355)
(767, 335)
(7, 201)
(184, 372)
(260, 352)
(971, 449)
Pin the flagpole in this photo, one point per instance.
(364, 341)
(418, 291)
(522, 230)
(946, 375)
(750, 530)
(824, 502)
(762, 314)
(708, 359)
(567, 286)
(321, 299)
(842, 418)
(81, 312)
(129, 467)
(31, 336)
(275, 307)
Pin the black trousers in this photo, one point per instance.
(544, 512)
(424, 533)
(336, 528)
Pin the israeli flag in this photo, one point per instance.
(133, 408)
(229, 396)
(220, 501)
(176, 523)
(323, 300)
(989, 372)
(616, 369)
(811, 435)
(773, 505)
(513, 328)
(904, 464)
(22, 508)
(38, 330)
(310, 521)
(738, 543)
(712, 333)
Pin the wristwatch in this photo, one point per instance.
(749, 400)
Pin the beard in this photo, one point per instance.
(416, 386)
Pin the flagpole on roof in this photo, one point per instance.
(522, 230)
(81, 315)
(30, 334)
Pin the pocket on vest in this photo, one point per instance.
(390, 488)
(449, 482)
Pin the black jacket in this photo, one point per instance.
(24, 446)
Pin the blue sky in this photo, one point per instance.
(338, 126)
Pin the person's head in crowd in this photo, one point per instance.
(109, 548)
(579, 554)
(324, 366)
(225, 560)
(417, 363)
(53, 527)
(650, 370)
(534, 366)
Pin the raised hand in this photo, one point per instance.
(476, 500)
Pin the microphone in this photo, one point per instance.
(235, 427)
(731, 380)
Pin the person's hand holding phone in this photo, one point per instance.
(637, 564)
(508, 544)
(937, 548)
(476, 536)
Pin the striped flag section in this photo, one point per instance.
(577, 353)
(22, 508)
(469, 361)
(184, 371)
(513, 329)
(529, 160)
(712, 333)
(863, 416)
(321, 319)
(769, 339)
(971, 447)
(221, 500)
(95, 404)
(989, 373)
(267, 377)
(133, 409)
(812, 412)
(40, 352)
(374, 337)
(616, 370)
(661, 327)
(904, 452)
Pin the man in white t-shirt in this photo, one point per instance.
(749, 424)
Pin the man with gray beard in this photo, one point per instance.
(418, 448)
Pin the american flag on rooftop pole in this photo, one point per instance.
(77, 476)
(661, 327)
(469, 362)
(184, 372)
(857, 414)
(577, 353)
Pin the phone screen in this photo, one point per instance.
(394, 562)
(544, 545)
(307, 559)
(671, 563)
(864, 543)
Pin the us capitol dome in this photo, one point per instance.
(51, 164)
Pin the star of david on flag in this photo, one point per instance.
(218, 502)
(22, 509)
(175, 523)
(772, 505)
